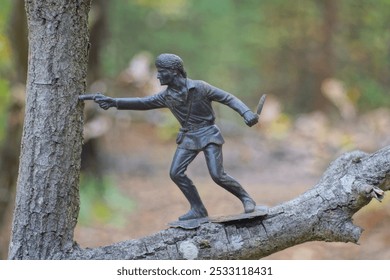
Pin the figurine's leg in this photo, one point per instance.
(180, 162)
(214, 159)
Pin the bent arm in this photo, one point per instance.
(233, 102)
(228, 99)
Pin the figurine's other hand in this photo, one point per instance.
(251, 118)
(105, 102)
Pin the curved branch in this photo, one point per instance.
(323, 213)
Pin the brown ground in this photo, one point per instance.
(272, 169)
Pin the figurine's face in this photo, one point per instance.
(165, 76)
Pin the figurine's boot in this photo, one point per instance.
(236, 189)
(197, 210)
(249, 205)
(194, 214)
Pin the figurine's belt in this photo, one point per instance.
(195, 126)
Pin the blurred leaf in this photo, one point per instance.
(4, 102)
(101, 202)
(5, 49)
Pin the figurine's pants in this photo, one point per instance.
(214, 160)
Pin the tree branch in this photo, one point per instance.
(323, 213)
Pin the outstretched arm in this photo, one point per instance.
(144, 103)
(104, 102)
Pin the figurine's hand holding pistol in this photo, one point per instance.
(104, 102)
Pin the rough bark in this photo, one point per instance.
(323, 213)
(47, 199)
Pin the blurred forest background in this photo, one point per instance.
(325, 66)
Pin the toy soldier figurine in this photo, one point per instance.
(190, 102)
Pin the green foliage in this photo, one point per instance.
(168, 128)
(373, 94)
(286, 48)
(4, 101)
(5, 50)
(102, 203)
(248, 47)
(5, 65)
(363, 50)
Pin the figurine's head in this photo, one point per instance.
(172, 62)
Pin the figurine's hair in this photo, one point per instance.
(171, 61)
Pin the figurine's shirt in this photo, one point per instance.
(201, 119)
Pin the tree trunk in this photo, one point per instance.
(47, 199)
